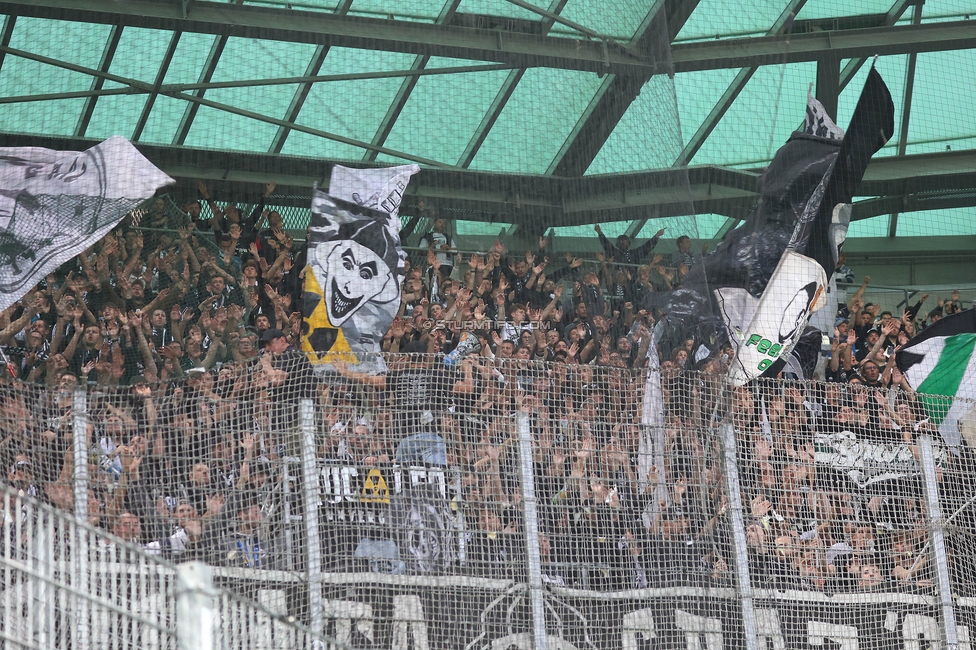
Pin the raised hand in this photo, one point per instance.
(543, 242)
(247, 444)
(202, 187)
(397, 329)
(660, 232)
(269, 188)
(576, 263)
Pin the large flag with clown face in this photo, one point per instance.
(352, 289)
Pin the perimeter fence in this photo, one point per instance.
(489, 503)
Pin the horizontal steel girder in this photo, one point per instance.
(516, 49)
(917, 182)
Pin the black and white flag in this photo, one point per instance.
(55, 204)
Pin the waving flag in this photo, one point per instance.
(940, 365)
(822, 227)
(352, 289)
(55, 204)
(381, 189)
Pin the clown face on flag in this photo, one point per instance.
(352, 289)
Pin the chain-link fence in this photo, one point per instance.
(494, 502)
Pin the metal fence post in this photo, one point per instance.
(743, 581)
(524, 431)
(938, 541)
(79, 410)
(313, 548)
(194, 607)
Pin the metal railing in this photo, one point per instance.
(69, 585)
(401, 553)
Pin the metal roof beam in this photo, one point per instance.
(616, 94)
(206, 74)
(908, 183)
(301, 94)
(504, 93)
(201, 101)
(8, 30)
(854, 43)
(725, 102)
(906, 111)
(516, 49)
(108, 54)
(243, 83)
(160, 77)
(406, 87)
(298, 99)
(852, 67)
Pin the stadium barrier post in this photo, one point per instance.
(79, 410)
(934, 511)
(194, 607)
(310, 483)
(530, 511)
(743, 581)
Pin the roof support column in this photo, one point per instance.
(906, 109)
(828, 83)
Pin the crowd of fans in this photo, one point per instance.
(186, 329)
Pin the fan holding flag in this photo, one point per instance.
(940, 364)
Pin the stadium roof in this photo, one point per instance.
(529, 112)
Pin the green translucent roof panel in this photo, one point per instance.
(464, 227)
(138, 56)
(244, 59)
(501, 8)
(618, 20)
(538, 118)
(353, 109)
(424, 10)
(674, 227)
(715, 18)
(699, 226)
(779, 94)
(455, 102)
(942, 103)
(697, 93)
(873, 227)
(814, 9)
(186, 66)
(956, 222)
(647, 136)
(941, 10)
(304, 5)
(77, 43)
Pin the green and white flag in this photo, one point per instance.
(940, 365)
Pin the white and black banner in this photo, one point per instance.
(795, 290)
(380, 189)
(372, 610)
(352, 286)
(55, 204)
